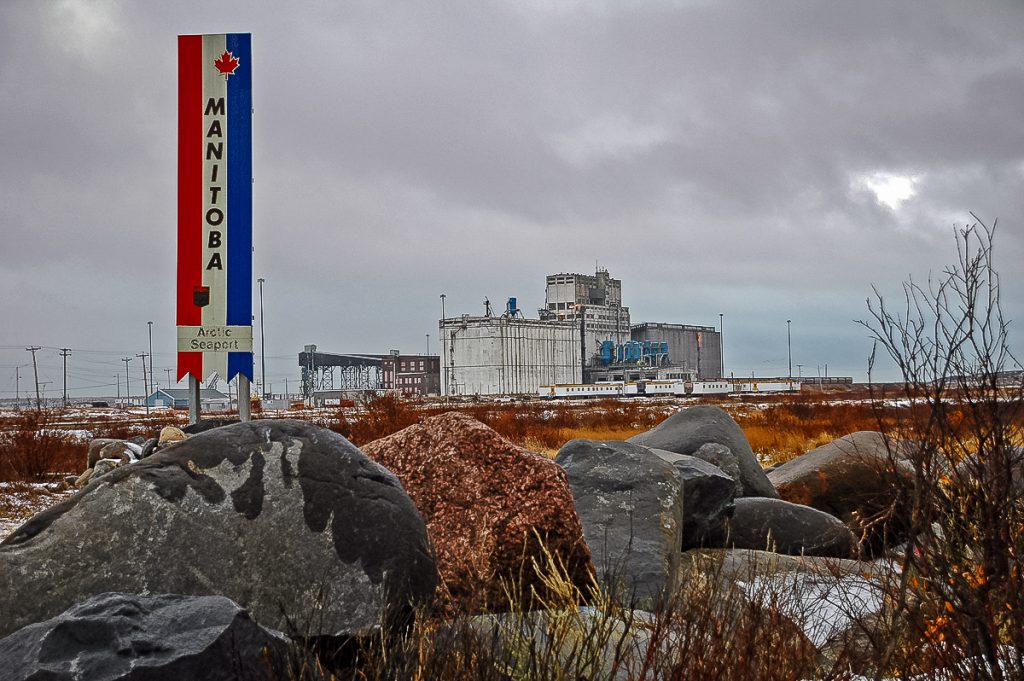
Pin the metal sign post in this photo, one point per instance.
(214, 297)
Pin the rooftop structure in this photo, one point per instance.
(594, 302)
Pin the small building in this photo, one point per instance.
(177, 398)
(359, 373)
(411, 374)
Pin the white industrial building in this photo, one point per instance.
(507, 354)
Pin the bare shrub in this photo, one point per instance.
(958, 603)
(31, 450)
(380, 415)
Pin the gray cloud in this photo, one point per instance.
(711, 155)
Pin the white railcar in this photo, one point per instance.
(665, 388)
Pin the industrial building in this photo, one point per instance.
(692, 348)
(507, 354)
(352, 374)
(583, 335)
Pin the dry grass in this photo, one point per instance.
(786, 427)
(784, 430)
(33, 450)
(710, 629)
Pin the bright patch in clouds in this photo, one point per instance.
(608, 138)
(890, 189)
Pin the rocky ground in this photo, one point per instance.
(320, 543)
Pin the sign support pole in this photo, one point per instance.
(244, 399)
(193, 400)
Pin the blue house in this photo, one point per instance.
(177, 398)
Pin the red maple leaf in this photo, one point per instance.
(226, 64)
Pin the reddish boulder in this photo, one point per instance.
(485, 502)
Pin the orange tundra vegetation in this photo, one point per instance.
(778, 430)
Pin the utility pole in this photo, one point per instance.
(168, 377)
(127, 383)
(17, 388)
(118, 377)
(35, 372)
(145, 386)
(789, 345)
(64, 352)
(263, 345)
(151, 382)
(428, 344)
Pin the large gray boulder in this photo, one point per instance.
(783, 527)
(687, 430)
(707, 500)
(630, 503)
(118, 637)
(855, 478)
(287, 519)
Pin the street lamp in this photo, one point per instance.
(444, 381)
(263, 345)
(721, 341)
(151, 383)
(428, 344)
(789, 345)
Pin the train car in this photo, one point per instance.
(665, 388)
(720, 387)
(755, 386)
(580, 390)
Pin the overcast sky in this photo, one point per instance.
(765, 161)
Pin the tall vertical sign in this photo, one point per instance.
(214, 298)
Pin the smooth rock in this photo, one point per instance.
(826, 597)
(686, 431)
(83, 479)
(722, 458)
(209, 424)
(148, 448)
(95, 447)
(105, 466)
(169, 434)
(121, 637)
(630, 501)
(486, 502)
(783, 527)
(287, 519)
(707, 500)
(122, 450)
(854, 478)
